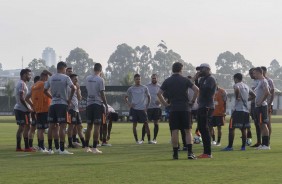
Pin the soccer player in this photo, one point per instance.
(74, 113)
(58, 111)
(138, 104)
(22, 110)
(269, 98)
(207, 87)
(95, 86)
(154, 111)
(176, 88)
(240, 117)
(218, 116)
(40, 103)
(32, 128)
(262, 92)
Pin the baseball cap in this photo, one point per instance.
(203, 65)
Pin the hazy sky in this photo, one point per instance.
(198, 30)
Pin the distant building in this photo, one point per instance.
(49, 56)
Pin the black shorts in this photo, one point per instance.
(240, 119)
(138, 116)
(22, 118)
(154, 114)
(75, 117)
(252, 111)
(94, 114)
(179, 120)
(217, 121)
(58, 113)
(42, 120)
(113, 116)
(33, 118)
(262, 114)
(194, 114)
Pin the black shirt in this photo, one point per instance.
(207, 87)
(176, 87)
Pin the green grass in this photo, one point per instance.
(126, 162)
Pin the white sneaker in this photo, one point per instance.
(139, 142)
(57, 150)
(218, 144)
(50, 152)
(87, 149)
(155, 141)
(65, 152)
(259, 147)
(96, 151)
(151, 142)
(263, 147)
(76, 144)
(43, 150)
(213, 142)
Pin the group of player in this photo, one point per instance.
(53, 102)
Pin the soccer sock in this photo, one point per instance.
(19, 139)
(26, 143)
(258, 134)
(82, 141)
(265, 140)
(73, 138)
(218, 139)
(95, 144)
(149, 137)
(244, 141)
(156, 131)
(41, 144)
(50, 144)
(56, 141)
(189, 147)
(143, 132)
(175, 151)
(86, 143)
(70, 139)
(30, 143)
(213, 137)
(230, 140)
(62, 146)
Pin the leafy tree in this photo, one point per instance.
(81, 63)
(271, 70)
(143, 63)
(9, 90)
(121, 63)
(37, 66)
(127, 80)
(1, 69)
(52, 69)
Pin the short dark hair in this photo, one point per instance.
(24, 71)
(36, 78)
(154, 74)
(73, 75)
(258, 69)
(69, 67)
(250, 70)
(97, 67)
(61, 65)
(136, 75)
(264, 69)
(177, 67)
(238, 76)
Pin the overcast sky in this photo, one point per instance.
(198, 30)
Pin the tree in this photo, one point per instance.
(121, 63)
(9, 90)
(227, 65)
(52, 69)
(144, 63)
(1, 69)
(271, 70)
(127, 80)
(81, 63)
(37, 66)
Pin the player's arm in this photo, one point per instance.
(196, 93)
(126, 101)
(271, 91)
(28, 99)
(103, 96)
(265, 94)
(22, 99)
(73, 88)
(224, 97)
(149, 98)
(161, 98)
(78, 92)
(252, 95)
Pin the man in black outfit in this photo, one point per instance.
(207, 87)
(176, 87)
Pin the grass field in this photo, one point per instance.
(126, 162)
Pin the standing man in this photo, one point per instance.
(74, 114)
(154, 110)
(22, 110)
(269, 98)
(262, 92)
(176, 88)
(207, 87)
(139, 103)
(218, 116)
(95, 86)
(240, 117)
(40, 103)
(58, 111)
